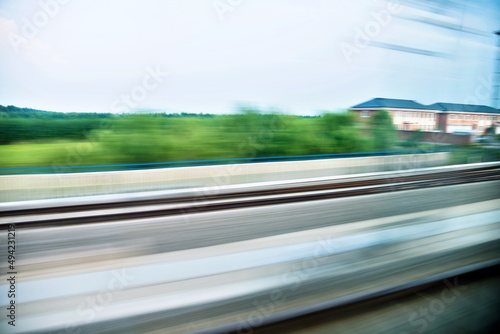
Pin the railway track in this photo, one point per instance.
(281, 259)
(259, 284)
(186, 202)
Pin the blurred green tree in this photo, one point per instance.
(383, 131)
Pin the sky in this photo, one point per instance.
(213, 56)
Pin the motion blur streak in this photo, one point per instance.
(243, 268)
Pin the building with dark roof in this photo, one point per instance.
(456, 107)
(405, 114)
(380, 102)
(447, 117)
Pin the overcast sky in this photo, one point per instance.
(301, 56)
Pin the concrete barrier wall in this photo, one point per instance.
(38, 186)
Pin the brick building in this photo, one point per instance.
(448, 117)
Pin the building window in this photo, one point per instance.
(365, 113)
(460, 117)
(452, 116)
(467, 117)
(488, 118)
(481, 118)
(475, 117)
(498, 118)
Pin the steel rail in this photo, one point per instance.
(95, 213)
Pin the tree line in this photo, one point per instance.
(144, 138)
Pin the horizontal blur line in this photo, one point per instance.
(381, 186)
(355, 298)
(451, 26)
(185, 194)
(408, 49)
(194, 163)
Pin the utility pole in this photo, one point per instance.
(496, 76)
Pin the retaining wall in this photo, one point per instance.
(38, 186)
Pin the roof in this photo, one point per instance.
(380, 102)
(391, 103)
(463, 107)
